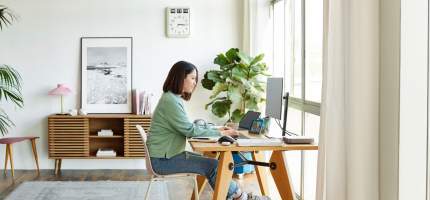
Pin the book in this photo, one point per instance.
(105, 132)
(135, 106)
(106, 152)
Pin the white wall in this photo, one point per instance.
(44, 46)
(413, 100)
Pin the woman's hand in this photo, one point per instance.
(228, 131)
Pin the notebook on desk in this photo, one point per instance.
(204, 139)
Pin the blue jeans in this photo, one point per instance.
(188, 162)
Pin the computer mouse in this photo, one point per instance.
(226, 138)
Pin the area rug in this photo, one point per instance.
(101, 190)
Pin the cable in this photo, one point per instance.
(286, 131)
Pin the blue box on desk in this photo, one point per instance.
(245, 169)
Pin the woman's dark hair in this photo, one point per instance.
(175, 80)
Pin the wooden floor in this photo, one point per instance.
(7, 184)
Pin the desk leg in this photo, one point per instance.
(261, 172)
(224, 175)
(33, 145)
(281, 177)
(6, 159)
(201, 180)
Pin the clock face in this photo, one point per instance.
(178, 22)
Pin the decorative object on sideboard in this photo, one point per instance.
(142, 102)
(238, 86)
(61, 90)
(10, 80)
(106, 74)
(82, 112)
(73, 112)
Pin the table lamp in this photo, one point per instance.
(60, 90)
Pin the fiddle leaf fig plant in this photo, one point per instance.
(237, 86)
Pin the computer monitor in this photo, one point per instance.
(274, 97)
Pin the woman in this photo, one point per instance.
(170, 127)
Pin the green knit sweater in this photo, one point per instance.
(170, 127)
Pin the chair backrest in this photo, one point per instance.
(147, 155)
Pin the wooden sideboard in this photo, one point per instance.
(75, 137)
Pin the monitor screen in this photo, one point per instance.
(274, 98)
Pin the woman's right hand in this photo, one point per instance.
(228, 131)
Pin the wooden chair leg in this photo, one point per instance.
(33, 145)
(11, 159)
(6, 158)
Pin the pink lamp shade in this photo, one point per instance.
(61, 89)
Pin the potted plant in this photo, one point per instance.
(10, 80)
(238, 85)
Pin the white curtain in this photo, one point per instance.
(257, 28)
(348, 148)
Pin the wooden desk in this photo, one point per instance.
(279, 170)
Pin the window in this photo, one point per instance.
(297, 56)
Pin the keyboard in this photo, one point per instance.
(260, 142)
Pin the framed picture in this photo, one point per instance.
(106, 74)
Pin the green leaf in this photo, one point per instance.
(221, 108)
(6, 16)
(221, 60)
(252, 104)
(236, 115)
(10, 85)
(244, 58)
(257, 59)
(208, 84)
(5, 123)
(228, 67)
(218, 88)
(238, 73)
(232, 55)
(214, 76)
(213, 101)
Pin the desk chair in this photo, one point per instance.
(158, 177)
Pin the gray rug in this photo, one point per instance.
(101, 190)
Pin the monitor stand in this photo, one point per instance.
(292, 139)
